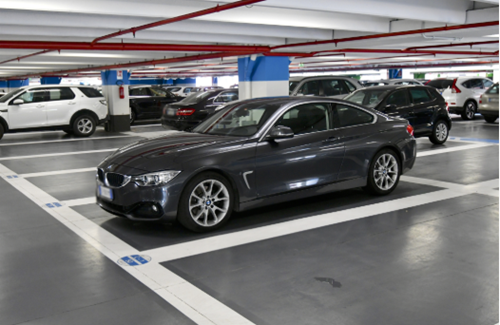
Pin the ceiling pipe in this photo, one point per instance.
(393, 34)
(204, 12)
(428, 52)
(25, 56)
(471, 44)
(128, 46)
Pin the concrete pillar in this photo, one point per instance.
(263, 76)
(50, 80)
(16, 84)
(119, 108)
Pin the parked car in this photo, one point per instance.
(422, 106)
(211, 88)
(254, 153)
(190, 111)
(182, 91)
(330, 86)
(386, 82)
(462, 94)
(488, 104)
(2, 94)
(73, 109)
(147, 102)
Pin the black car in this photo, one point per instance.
(147, 102)
(254, 153)
(195, 108)
(422, 106)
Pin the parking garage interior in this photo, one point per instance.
(426, 253)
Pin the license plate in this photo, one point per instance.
(105, 193)
(171, 112)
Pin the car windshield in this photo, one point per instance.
(5, 98)
(195, 98)
(367, 97)
(292, 85)
(242, 120)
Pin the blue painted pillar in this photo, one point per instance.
(50, 80)
(119, 108)
(3, 86)
(395, 73)
(15, 84)
(263, 76)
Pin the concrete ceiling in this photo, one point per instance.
(268, 23)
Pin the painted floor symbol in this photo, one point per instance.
(134, 260)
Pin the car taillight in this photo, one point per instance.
(409, 129)
(481, 99)
(447, 106)
(185, 112)
(454, 88)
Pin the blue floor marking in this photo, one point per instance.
(474, 140)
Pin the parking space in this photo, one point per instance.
(307, 261)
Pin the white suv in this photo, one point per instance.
(182, 91)
(74, 109)
(462, 96)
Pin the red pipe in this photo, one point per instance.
(179, 18)
(25, 56)
(128, 46)
(403, 33)
(450, 45)
(429, 52)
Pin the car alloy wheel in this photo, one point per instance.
(439, 133)
(385, 172)
(470, 111)
(85, 125)
(209, 203)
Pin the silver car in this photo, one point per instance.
(328, 86)
(488, 104)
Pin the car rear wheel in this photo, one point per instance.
(384, 172)
(84, 126)
(2, 131)
(490, 119)
(470, 109)
(439, 133)
(206, 203)
(132, 116)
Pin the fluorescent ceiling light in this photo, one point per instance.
(493, 35)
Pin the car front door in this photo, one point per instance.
(423, 109)
(398, 105)
(59, 105)
(312, 157)
(142, 101)
(30, 114)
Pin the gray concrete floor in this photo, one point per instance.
(426, 254)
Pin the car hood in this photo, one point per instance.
(159, 153)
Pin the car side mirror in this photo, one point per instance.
(390, 108)
(280, 132)
(18, 101)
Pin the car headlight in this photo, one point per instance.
(155, 179)
(104, 102)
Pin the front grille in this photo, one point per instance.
(115, 179)
(100, 174)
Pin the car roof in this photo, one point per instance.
(320, 77)
(390, 87)
(56, 86)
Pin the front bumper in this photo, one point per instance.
(148, 203)
(409, 152)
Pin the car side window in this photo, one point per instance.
(473, 84)
(344, 115)
(493, 90)
(487, 83)
(64, 93)
(139, 92)
(187, 90)
(399, 98)
(227, 96)
(419, 95)
(333, 87)
(306, 118)
(309, 88)
(350, 86)
(33, 96)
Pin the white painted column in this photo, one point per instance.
(119, 108)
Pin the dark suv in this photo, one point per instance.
(147, 102)
(422, 106)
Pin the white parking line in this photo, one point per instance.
(188, 299)
(59, 172)
(452, 149)
(68, 140)
(77, 202)
(57, 154)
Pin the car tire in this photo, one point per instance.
(440, 132)
(384, 173)
(2, 131)
(206, 203)
(490, 119)
(84, 126)
(70, 132)
(133, 116)
(470, 109)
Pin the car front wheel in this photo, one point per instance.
(84, 126)
(384, 172)
(470, 109)
(206, 203)
(132, 116)
(439, 133)
(2, 131)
